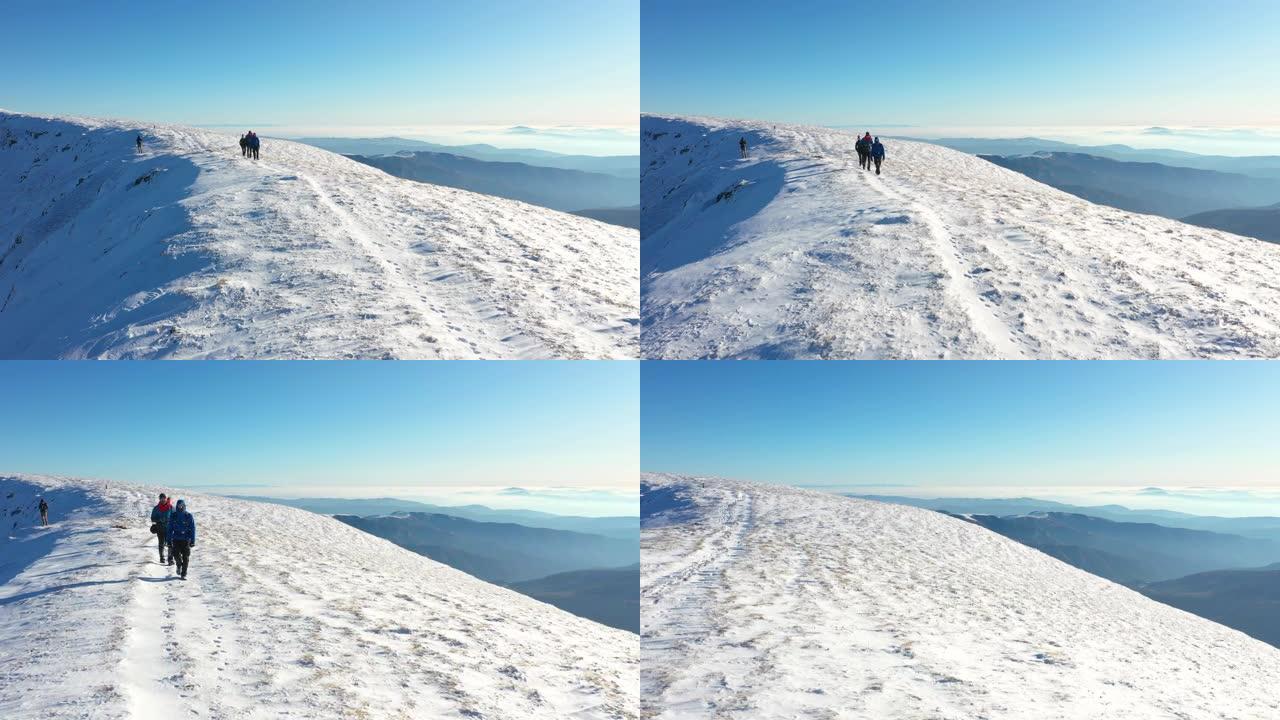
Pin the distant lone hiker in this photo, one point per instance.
(877, 154)
(139, 141)
(742, 147)
(182, 537)
(44, 513)
(244, 146)
(160, 515)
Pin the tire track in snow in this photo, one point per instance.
(696, 618)
(484, 314)
(998, 334)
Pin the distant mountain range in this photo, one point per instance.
(1262, 223)
(1234, 194)
(626, 217)
(1247, 600)
(611, 597)
(1230, 576)
(497, 552)
(1126, 552)
(1145, 187)
(1260, 166)
(555, 188)
(624, 527)
(1264, 528)
(591, 576)
(624, 166)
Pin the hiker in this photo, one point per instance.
(244, 146)
(253, 144)
(160, 515)
(182, 537)
(139, 142)
(742, 147)
(44, 513)
(863, 150)
(877, 154)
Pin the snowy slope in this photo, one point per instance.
(768, 602)
(283, 614)
(797, 253)
(188, 250)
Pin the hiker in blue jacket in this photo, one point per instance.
(254, 144)
(877, 154)
(182, 536)
(160, 515)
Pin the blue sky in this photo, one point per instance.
(1024, 426)
(983, 62)
(309, 63)
(408, 429)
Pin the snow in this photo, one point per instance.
(771, 602)
(188, 250)
(284, 614)
(795, 252)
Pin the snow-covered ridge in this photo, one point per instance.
(797, 253)
(187, 250)
(284, 614)
(770, 602)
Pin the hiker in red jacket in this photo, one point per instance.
(160, 515)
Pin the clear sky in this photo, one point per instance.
(325, 62)
(325, 425)
(981, 62)
(975, 424)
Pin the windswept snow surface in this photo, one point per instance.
(769, 602)
(188, 250)
(284, 614)
(797, 253)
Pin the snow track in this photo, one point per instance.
(795, 252)
(284, 614)
(767, 602)
(188, 250)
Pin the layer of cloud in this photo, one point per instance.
(588, 501)
(1223, 501)
(1200, 140)
(564, 139)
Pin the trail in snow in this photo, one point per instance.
(284, 614)
(767, 602)
(795, 252)
(188, 250)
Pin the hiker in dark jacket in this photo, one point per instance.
(244, 146)
(160, 515)
(877, 154)
(182, 536)
(254, 143)
(742, 147)
(863, 147)
(44, 512)
(139, 142)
